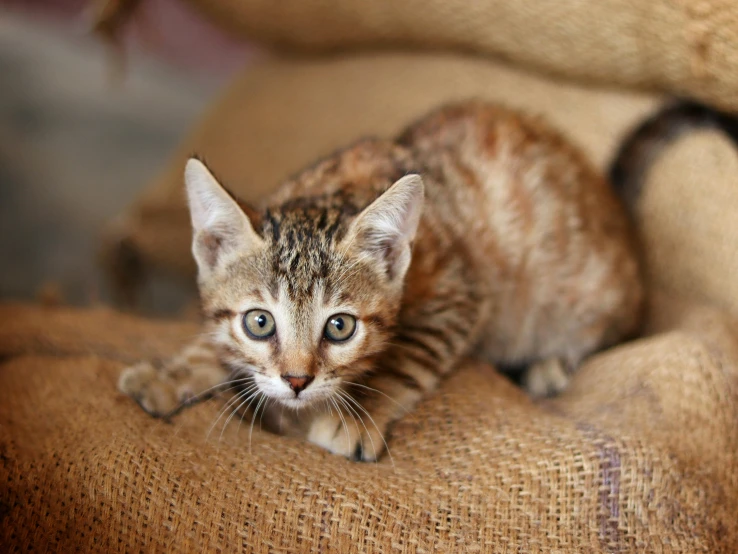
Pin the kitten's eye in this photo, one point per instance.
(340, 327)
(259, 324)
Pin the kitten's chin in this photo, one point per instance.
(296, 403)
(304, 400)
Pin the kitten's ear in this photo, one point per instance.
(220, 228)
(386, 228)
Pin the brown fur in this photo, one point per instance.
(523, 255)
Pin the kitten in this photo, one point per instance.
(367, 277)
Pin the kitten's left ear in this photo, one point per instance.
(220, 228)
(386, 229)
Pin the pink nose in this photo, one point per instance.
(298, 383)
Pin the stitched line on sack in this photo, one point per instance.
(609, 491)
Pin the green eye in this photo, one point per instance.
(340, 327)
(259, 324)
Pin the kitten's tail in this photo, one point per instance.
(647, 140)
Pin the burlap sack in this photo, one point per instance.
(685, 47)
(638, 456)
(281, 115)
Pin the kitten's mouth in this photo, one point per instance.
(296, 402)
(274, 389)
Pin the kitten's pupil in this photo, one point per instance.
(261, 320)
(338, 323)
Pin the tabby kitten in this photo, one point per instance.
(368, 276)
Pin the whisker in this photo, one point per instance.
(230, 403)
(381, 435)
(266, 406)
(232, 384)
(222, 411)
(281, 415)
(343, 420)
(246, 410)
(220, 393)
(380, 392)
(230, 417)
(351, 412)
(357, 416)
(256, 411)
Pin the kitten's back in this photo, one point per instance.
(546, 237)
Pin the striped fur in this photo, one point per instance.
(513, 249)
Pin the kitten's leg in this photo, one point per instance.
(162, 390)
(408, 371)
(359, 430)
(551, 375)
(546, 378)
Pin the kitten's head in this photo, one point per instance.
(303, 297)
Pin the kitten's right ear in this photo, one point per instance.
(220, 228)
(385, 230)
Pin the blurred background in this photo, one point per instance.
(79, 139)
(86, 123)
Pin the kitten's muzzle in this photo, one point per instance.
(298, 383)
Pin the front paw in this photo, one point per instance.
(347, 437)
(546, 378)
(158, 395)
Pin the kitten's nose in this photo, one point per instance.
(298, 383)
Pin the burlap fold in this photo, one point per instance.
(638, 456)
(688, 47)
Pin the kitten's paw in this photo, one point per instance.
(546, 378)
(346, 437)
(153, 390)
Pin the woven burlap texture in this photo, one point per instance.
(638, 456)
(685, 47)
